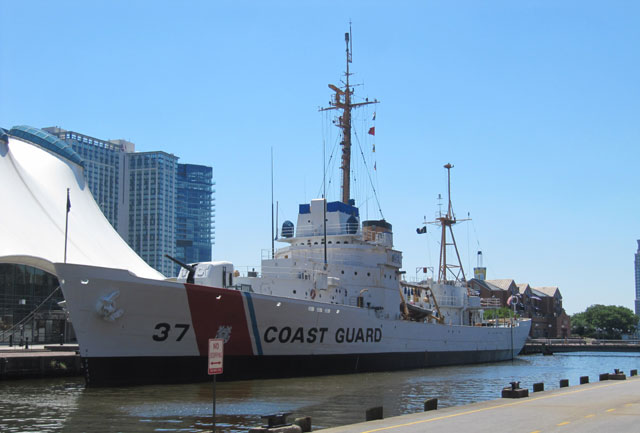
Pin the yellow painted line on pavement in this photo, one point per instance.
(610, 410)
(536, 431)
(563, 423)
(484, 409)
(591, 415)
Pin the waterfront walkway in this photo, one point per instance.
(597, 407)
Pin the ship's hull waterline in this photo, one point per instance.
(133, 331)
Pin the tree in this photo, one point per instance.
(500, 313)
(604, 321)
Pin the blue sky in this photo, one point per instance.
(536, 103)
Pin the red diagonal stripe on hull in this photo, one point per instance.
(208, 314)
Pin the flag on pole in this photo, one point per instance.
(374, 166)
(66, 225)
(372, 130)
(374, 148)
(374, 115)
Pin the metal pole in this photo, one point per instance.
(214, 404)
(66, 226)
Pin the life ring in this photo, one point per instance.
(313, 294)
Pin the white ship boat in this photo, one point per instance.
(333, 300)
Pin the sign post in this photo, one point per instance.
(216, 355)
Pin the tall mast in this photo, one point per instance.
(447, 221)
(343, 102)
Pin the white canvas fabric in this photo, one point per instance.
(33, 193)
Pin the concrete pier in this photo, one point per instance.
(39, 361)
(595, 407)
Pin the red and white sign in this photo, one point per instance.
(216, 346)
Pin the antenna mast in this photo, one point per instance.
(447, 221)
(343, 102)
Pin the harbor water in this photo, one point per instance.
(50, 405)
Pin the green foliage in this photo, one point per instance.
(604, 322)
(500, 313)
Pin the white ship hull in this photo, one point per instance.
(133, 330)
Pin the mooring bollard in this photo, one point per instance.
(617, 375)
(633, 373)
(537, 387)
(514, 391)
(430, 404)
(276, 419)
(564, 383)
(604, 376)
(584, 379)
(373, 413)
(304, 423)
(277, 422)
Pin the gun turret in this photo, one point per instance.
(190, 268)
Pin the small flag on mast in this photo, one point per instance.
(374, 148)
(372, 130)
(68, 201)
(374, 115)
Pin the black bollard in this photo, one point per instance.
(276, 420)
(373, 413)
(10, 340)
(617, 375)
(430, 404)
(304, 423)
(604, 376)
(584, 379)
(633, 373)
(564, 383)
(26, 342)
(514, 391)
(537, 387)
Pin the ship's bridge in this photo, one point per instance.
(342, 220)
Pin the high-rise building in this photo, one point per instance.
(194, 213)
(637, 263)
(105, 170)
(152, 208)
(139, 194)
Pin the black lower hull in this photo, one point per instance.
(165, 370)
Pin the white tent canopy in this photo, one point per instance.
(33, 193)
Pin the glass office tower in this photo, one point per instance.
(194, 213)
